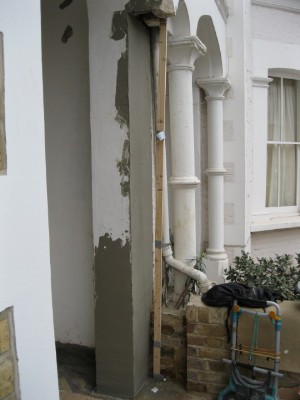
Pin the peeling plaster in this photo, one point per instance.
(119, 25)
(121, 96)
(119, 30)
(124, 168)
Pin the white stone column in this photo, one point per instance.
(216, 258)
(182, 53)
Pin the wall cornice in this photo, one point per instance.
(260, 81)
(223, 8)
(285, 5)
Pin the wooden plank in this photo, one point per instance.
(162, 73)
(160, 126)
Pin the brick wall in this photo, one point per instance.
(194, 342)
(173, 344)
(206, 347)
(8, 363)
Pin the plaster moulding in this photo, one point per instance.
(286, 5)
(187, 41)
(183, 52)
(284, 73)
(261, 81)
(184, 181)
(223, 8)
(214, 88)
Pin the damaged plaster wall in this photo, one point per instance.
(109, 118)
(68, 154)
(121, 123)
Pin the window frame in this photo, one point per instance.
(263, 217)
(285, 74)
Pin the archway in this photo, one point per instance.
(210, 65)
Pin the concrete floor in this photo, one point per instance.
(77, 372)
(152, 391)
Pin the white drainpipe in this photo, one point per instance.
(203, 282)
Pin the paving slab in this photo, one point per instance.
(74, 396)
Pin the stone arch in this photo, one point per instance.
(179, 25)
(210, 65)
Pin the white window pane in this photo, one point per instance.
(288, 162)
(282, 158)
(272, 176)
(274, 113)
(289, 133)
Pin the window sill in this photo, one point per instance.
(271, 222)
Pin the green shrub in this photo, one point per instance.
(278, 274)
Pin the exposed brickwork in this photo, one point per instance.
(4, 336)
(173, 344)
(194, 342)
(8, 361)
(6, 378)
(206, 347)
(173, 351)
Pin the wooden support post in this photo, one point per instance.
(160, 127)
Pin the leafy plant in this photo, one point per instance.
(278, 274)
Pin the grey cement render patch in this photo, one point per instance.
(119, 25)
(124, 169)
(121, 96)
(119, 28)
(114, 317)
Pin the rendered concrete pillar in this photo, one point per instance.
(182, 53)
(216, 258)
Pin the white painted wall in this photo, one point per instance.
(25, 280)
(68, 154)
(275, 242)
(235, 135)
(276, 44)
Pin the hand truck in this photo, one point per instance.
(244, 387)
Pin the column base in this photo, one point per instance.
(215, 269)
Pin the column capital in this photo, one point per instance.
(214, 88)
(183, 51)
